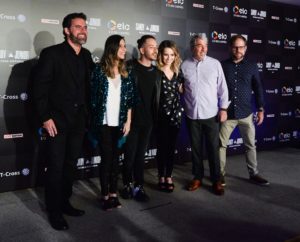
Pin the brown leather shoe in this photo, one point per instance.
(193, 185)
(218, 188)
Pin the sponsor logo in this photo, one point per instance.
(179, 4)
(285, 114)
(9, 97)
(198, 5)
(42, 133)
(83, 163)
(174, 33)
(291, 20)
(115, 27)
(297, 113)
(296, 134)
(273, 17)
(220, 38)
(23, 96)
(21, 18)
(258, 15)
(150, 154)
(147, 28)
(284, 137)
(271, 115)
(289, 44)
(257, 41)
(25, 172)
(288, 68)
(270, 139)
(220, 9)
(240, 12)
(49, 21)
(4, 17)
(287, 91)
(94, 22)
(272, 91)
(201, 34)
(274, 42)
(13, 56)
(273, 66)
(260, 66)
(235, 142)
(13, 136)
(297, 89)
(9, 174)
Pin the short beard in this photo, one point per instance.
(76, 40)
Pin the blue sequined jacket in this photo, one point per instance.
(99, 91)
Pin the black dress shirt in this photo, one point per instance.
(79, 68)
(242, 78)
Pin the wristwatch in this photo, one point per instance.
(261, 109)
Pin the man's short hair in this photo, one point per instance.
(141, 41)
(235, 37)
(195, 37)
(68, 20)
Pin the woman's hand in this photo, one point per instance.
(126, 128)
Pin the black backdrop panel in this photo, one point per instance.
(26, 27)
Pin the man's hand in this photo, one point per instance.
(259, 117)
(222, 116)
(49, 125)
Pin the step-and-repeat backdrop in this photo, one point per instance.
(28, 26)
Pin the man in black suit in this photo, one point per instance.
(61, 87)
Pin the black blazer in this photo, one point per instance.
(55, 85)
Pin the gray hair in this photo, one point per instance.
(197, 36)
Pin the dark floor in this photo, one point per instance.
(247, 212)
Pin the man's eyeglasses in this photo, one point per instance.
(79, 27)
(238, 47)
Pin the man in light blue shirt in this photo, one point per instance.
(206, 102)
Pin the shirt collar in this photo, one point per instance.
(241, 62)
(197, 61)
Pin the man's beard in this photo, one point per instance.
(77, 40)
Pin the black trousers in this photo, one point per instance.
(108, 169)
(135, 149)
(208, 130)
(63, 150)
(166, 141)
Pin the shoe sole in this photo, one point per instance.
(260, 184)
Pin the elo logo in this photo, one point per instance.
(113, 26)
(291, 43)
(239, 11)
(175, 1)
(287, 90)
(216, 36)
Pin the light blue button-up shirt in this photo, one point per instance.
(205, 88)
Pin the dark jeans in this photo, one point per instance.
(135, 149)
(108, 169)
(166, 141)
(63, 150)
(208, 130)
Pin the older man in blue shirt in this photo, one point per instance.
(206, 102)
(242, 78)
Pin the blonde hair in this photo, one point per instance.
(175, 66)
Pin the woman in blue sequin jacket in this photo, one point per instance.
(113, 94)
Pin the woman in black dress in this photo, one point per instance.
(170, 112)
